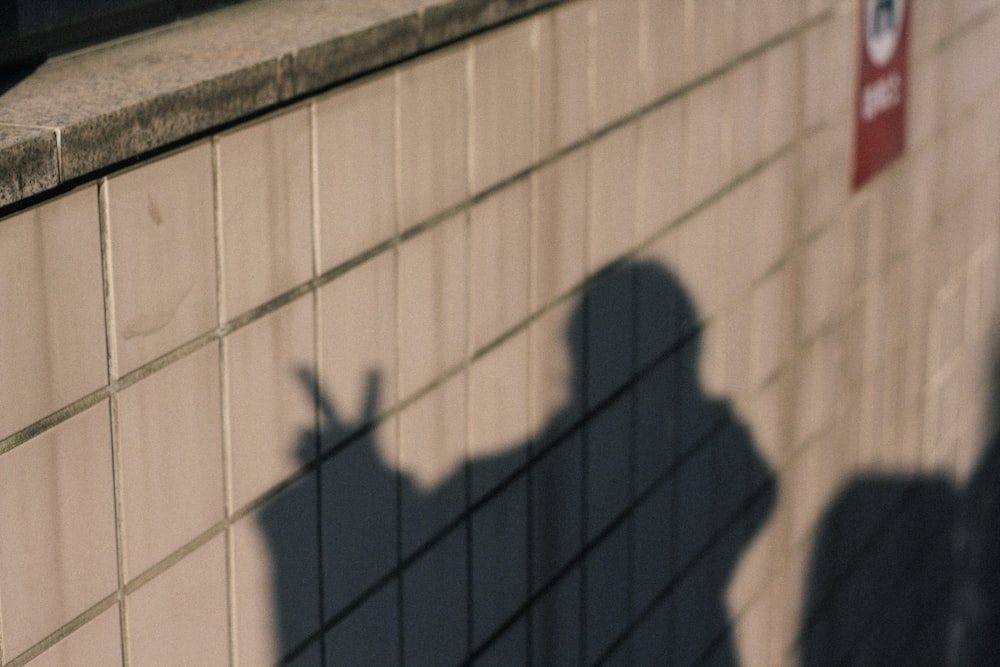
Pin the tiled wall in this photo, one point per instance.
(573, 293)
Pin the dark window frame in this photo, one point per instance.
(69, 24)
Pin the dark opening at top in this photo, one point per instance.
(31, 30)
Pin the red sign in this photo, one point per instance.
(880, 117)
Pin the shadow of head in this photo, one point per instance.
(635, 335)
(627, 318)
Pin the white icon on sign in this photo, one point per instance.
(883, 26)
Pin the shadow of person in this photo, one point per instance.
(609, 537)
(906, 571)
(974, 630)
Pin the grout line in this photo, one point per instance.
(59, 155)
(110, 320)
(104, 218)
(397, 365)
(3, 644)
(584, 338)
(467, 463)
(317, 365)
(314, 188)
(225, 425)
(217, 220)
(397, 210)
(533, 222)
(227, 482)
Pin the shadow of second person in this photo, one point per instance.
(609, 536)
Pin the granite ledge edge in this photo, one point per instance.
(39, 159)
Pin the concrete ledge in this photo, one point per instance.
(85, 112)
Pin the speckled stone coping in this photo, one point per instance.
(82, 113)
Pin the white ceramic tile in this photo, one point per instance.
(615, 59)
(556, 509)
(607, 600)
(823, 284)
(664, 308)
(741, 231)
(768, 328)
(359, 521)
(555, 373)
(652, 553)
(815, 388)
(815, 7)
(664, 66)
(435, 604)
(774, 214)
(432, 107)
(608, 439)
(692, 528)
(927, 21)
(355, 130)
(432, 304)
(500, 262)
(432, 457)
(272, 413)
(182, 612)
(99, 642)
(655, 423)
(499, 559)
(923, 109)
(710, 34)
(780, 96)
(697, 258)
(502, 104)
(51, 297)
(370, 634)
(965, 78)
(310, 656)
(357, 328)
(812, 480)
(705, 131)
(610, 331)
(498, 413)
(825, 176)
(613, 196)
(556, 623)
(57, 527)
(782, 17)
(560, 192)
(163, 255)
(753, 632)
(266, 209)
(653, 637)
(743, 99)
(509, 648)
(752, 23)
(690, 604)
(660, 165)
(276, 568)
(829, 64)
(171, 457)
(945, 327)
(563, 80)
